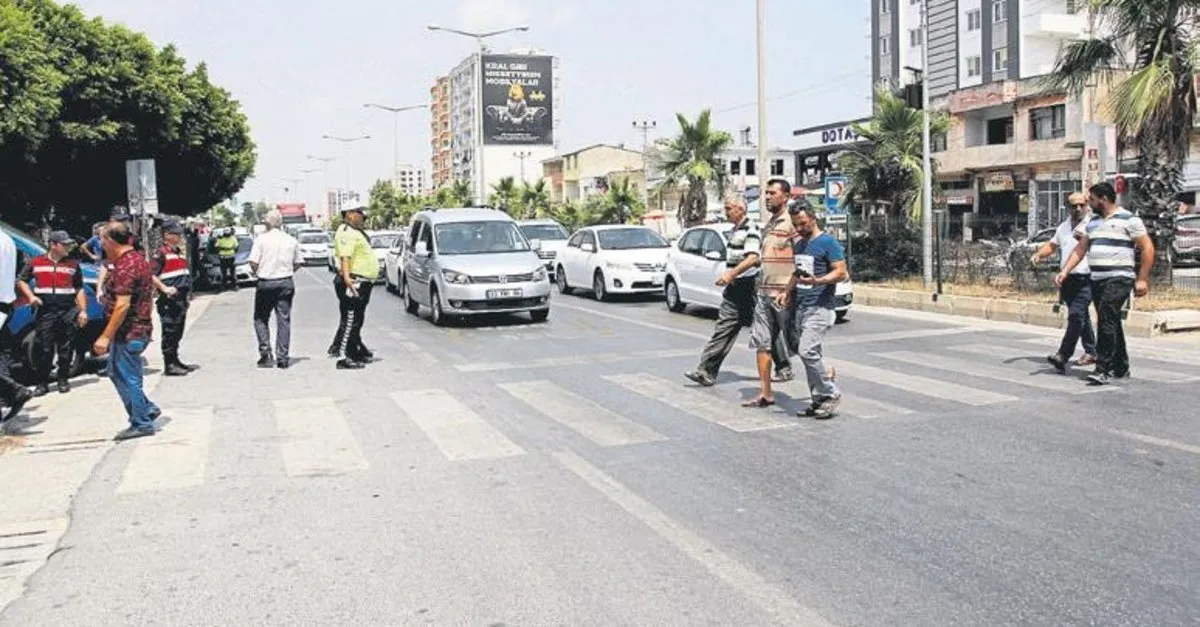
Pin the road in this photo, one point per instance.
(510, 473)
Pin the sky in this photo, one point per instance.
(304, 68)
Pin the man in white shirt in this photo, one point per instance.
(1076, 291)
(13, 395)
(274, 257)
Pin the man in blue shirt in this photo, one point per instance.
(820, 266)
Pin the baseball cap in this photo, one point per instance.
(172, 226)
(60, 237)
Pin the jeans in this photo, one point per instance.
(126, 371)
(274, 295)
(1076, 292)
(812, 323)
(1111, 296)
(737, 310)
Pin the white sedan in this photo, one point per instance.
(613, 259)
(698, 258)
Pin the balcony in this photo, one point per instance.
(1054, 25)
(990, 157)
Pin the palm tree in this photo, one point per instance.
(622, 203)
(461, 194)
(887, 168)
(1146, 48)
(535, 199)
(694, 158)
(505, 194)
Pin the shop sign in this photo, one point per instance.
(998, 182)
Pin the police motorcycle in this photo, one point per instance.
(20, 323)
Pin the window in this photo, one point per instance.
(937, 142)
(713, 243)
(690, 243)
(1000, 60)
(735, 167)
(973, 64)
(575, 240)
(999, 11)
(777, 167)
(884, 46)
(631, 239)
(914, 37)
(914, 2)
(1048, 122)
(999, 131)
(885, 6)
(1051, 202)
(750, 169)
(974, 20)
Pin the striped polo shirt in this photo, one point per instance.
(745, 239)
(1112, 250)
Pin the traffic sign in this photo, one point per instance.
(835, 186)
(142, 187)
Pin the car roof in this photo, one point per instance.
(612, 227)
(719, 226)
(547, 221)
(466, 214)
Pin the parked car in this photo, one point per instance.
(21, 322)
(381, 243)
(464, 262)
(1185, 248)
(698, 258)
(1021, 251)
(393, 263)
(613, 259)
(315, 246)
(551, 234)
(242, 272)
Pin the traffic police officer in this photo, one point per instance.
(61, 304)
(173, 280)
(357, 270)
(226, 246)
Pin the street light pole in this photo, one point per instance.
(308, 186)
(292, 181)
(324, 182)
(926, 165)
(645, 126)
(346, 141)
(395, 111)
(477, 105)
(523, 155)
(760, 38)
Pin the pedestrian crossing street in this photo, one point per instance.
(316, 437)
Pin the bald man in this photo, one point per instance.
(1076, 291)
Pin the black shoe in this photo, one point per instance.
(64, 387)
(350, 364)
(1121, 375)
(362, 359)
(283, 364)
(1100, 378)
(175, 370)
(41, 390)
(266, 361)
(333, 352)
(1058, 362)
(131, 433)
(188, 367)
(700, 378)
(18, 403)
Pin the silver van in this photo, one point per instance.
(464, 262)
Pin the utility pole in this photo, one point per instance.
(287, 191)
(324, 182)
(760, 39)
(644, 126)
(395, 111)
(522, 155)
(308, 187)
(926, 165)
(346, 141)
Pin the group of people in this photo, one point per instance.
(781, 280)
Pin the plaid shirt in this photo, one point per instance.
(130, 276)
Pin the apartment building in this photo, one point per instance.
(439, 133)
(410, 180)
(591, 170)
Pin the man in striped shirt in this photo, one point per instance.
(1112, 241)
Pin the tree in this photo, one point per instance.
(506, 196)
(622, 204)
(383, 204)
(461, 194)
(888, 168)
(104, 94)
(535, 199)
(1146, 51)
(693, 157)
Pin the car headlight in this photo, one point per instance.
(539, 274)
(616, 265)
(455, 277)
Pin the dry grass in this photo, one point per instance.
(1157, 300)
(11, 443)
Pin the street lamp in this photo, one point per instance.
(760, 41)
(522, 155)
(926, 165)
(288, 189)
(395, 111)
(645, 126)
(477, 106)
(346, 141)
(324, 179)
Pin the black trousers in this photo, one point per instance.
(173, 313)
(274, 295)
(347, 341)
(1111, 296)
(9, 389)
(1076, 293)
(56, 330)
(228, 271)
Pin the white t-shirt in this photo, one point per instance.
(8, 268)
(1064, 237)
(276, 254)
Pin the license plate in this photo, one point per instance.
(498, 294)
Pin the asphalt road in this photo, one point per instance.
(509, 473)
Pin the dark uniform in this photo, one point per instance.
(57, 284)
(171, 267)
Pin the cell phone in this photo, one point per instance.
(803, 272)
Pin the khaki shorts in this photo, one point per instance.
(769, 321)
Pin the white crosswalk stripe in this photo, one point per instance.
(933, 388)
(317, 438)
(581, 415)
(852, 404)
(965, 367)
(453, 427)
(174, 458)
(1139, 372)
(1163, 353)
(701, 405)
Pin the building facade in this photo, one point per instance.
(411, 180)
(591, 171)
(441, 173)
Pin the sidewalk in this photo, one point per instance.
(66, 438)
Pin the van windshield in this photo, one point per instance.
(478, 238)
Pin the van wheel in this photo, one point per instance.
(410, 305)
(437, 316)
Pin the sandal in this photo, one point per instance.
(759, 402)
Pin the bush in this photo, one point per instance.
(885, 252)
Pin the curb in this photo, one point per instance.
(1137, 324)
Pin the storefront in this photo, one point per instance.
(816, 147)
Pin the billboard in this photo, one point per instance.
(518, 97)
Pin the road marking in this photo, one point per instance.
(414, 351)
(1149, 439)
(852, 405)
(641, 323)
(899, 335)
(317, 438)
(1140, 373)
(601, 426)
(1163, 353)
(1053, 383)
(174, 458)
(457, 431)
(924, 386)
(575, 360)
(772, 599)
(707, 407)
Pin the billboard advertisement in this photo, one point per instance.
(518, 96)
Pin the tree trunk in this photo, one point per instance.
(695, 205)
(1159, 181)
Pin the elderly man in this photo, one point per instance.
(1076, 290)
(274, 258)
(737, 300)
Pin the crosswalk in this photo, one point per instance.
(318, 436)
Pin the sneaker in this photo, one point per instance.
(814, 408)
(700, 378)
(18, 403)
(350, 364)
(283, 364)
(131, 433)
(266, 361)
(783, 376)
(1058, 362)
(175, 370)
(1099, 378)
(828, 408)
(64, 387)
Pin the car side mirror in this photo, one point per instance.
(421, 249)
(535, 244)
(714, 255)
(588, 248)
